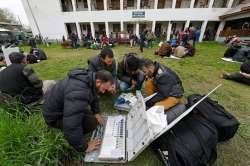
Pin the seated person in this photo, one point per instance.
(20, 80)
(104, 61)
(163, 81)
(164, 50)
(243, 76)
(236, 51)
(131, 78)
(66, 106)
(67, 44)
(182, 51)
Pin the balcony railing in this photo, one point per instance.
(238, 32)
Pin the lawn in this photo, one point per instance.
(25, 139)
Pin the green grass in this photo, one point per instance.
(25, 139)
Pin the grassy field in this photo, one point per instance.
(25, 139)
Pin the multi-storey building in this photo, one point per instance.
(55, 18)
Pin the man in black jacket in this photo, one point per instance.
(163, 81)
(66, 106)
(104, 61)
(243, 76)
(131, 78)
(20, 80)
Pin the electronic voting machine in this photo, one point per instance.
(124, 137)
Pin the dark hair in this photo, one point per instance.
(16, 57)
(133, 61)
(146, 63)
(106, 52)
(104, 76)
(1, 58)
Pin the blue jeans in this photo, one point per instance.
(126, 87)
(74, 44)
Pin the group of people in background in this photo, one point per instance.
(145, 39)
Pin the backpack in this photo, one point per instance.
(225, 123)
(191, 142)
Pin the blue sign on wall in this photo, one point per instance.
(138, 14)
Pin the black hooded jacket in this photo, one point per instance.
(68, 101)
(167, 83)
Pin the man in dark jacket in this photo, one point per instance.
(243, 76)
(131, 78)
(164, 82)
(66, 106)
(20, 80)
(74, 39)
(104, 61)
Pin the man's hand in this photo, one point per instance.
(133, 82)
(112, 90)
(99, 119)
(93, 145)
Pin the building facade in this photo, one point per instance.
(57, 18)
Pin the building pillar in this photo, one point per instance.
(211, 4)
(137, 29)
(138, 4)
(192, 3)
(105, 4)
(220, 28)
(78, 28)
(89, 5)
(121, 4)
(230, 3)
(203, 29)
(153, 26)
(173, 4)
(74, 5)
(187, 23)
(107, 28)
(92, 27)
(156, 4)
(169, 30)
(122, 26)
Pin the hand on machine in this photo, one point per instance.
(93, 145)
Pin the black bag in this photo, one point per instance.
(30, 95)
(226, 124)
(191, 142)
(31, 59)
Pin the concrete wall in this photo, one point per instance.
(51, 20)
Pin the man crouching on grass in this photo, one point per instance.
(66, 106)
(163, 81)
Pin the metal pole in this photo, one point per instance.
(34, 17)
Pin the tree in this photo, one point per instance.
(7, 16)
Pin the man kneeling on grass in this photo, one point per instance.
(66, 106)
(243, 76)
(163, 81)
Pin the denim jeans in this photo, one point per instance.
(127, 87)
